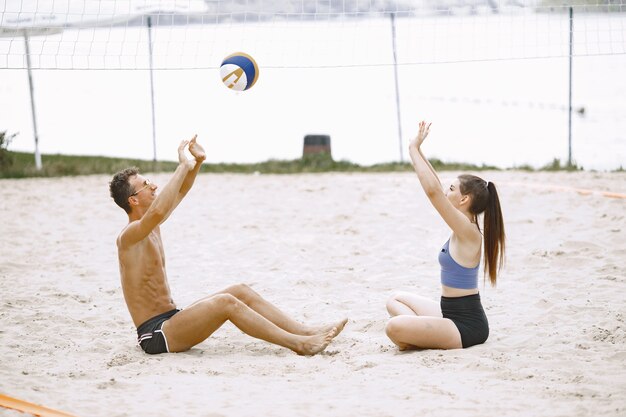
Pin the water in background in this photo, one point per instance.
(503, 112)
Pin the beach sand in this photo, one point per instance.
(321, 247)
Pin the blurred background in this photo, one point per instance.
(496, 78)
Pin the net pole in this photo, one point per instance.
(395, 72)
(32, 102)
(571, 49)
(154, 157)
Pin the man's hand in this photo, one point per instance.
(196, 150)
(182, 158)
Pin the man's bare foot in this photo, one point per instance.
(325, 329)
(312, 345)
(338, 327)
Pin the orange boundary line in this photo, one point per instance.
(25, 406)
(581, 191)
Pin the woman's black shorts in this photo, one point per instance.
(469, 317)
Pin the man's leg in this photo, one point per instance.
(197, 322)
(266, 309)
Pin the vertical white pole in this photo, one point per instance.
(395, 71)
(154, 158)
(571, 50)
(32, 102)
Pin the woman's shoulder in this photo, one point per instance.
(467, 240)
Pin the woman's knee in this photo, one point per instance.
(389, 305)
(393, 300)
(394, 328)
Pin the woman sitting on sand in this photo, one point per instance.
(459, 320)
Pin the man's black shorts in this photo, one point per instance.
(150, 336)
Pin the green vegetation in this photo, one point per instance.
(22, 165)
(555, 165)
(6, 157)
(580, 6)
(61, 165)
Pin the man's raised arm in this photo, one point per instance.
(163, 204)
(198, 153)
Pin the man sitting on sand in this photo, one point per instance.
(161, 327)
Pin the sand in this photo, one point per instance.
(321, 247)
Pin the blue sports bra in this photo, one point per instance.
(454, 275)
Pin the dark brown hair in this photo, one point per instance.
(485, 200)
(121, 189)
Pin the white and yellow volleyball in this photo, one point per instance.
(239, 71)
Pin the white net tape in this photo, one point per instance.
(300, 34)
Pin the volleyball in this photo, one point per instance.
(239, 71)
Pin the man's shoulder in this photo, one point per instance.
(124, 243)
(121, 242)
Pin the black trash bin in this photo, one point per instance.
(314, 144)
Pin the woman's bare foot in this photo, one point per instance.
(312, 345)
(402, 347)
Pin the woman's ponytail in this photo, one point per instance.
(494, 236)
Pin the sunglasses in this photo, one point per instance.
(146, 184)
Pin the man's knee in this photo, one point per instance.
(224, 302)
(242, 291)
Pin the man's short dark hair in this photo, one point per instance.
(120, 187)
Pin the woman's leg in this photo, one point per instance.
(405, 303)
(417, 322)
(423, 332)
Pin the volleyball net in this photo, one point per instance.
(196, 34)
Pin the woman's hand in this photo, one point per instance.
(421, 135)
